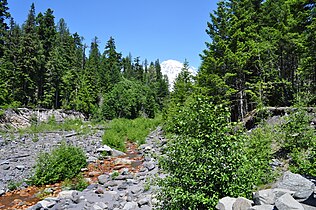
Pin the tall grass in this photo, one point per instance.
(122, 130)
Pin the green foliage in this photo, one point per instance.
(128, 99)
(63, 162)
(51, 125)
(77, 183)
(122, 130)
(259, 149)
(261, 54)
(206, 160)
(300, 142)
(298, 132)
(114, 174)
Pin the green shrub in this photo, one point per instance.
(298, 132)
(128, 99)
(77, 183)
(206, 160)
(300, 142)
(63, 162)
(122, 130)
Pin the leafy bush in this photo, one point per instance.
(206, 160)
(298, 132)
(122, 130)
(76, 183)
(300, 142)
(63, 162)
(128, 99)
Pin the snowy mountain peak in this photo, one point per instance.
(172, 68)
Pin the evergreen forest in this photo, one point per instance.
(43, 65)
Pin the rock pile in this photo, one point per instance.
(121, 189)
(24, 117)
(291, 192)
(18, 153)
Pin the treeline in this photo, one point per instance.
(44, 65)
(262, 53)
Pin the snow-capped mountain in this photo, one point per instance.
(172, 68)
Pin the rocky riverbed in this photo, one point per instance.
(119, 181)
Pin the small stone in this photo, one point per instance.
(116, 153)
(137, 190)
(102, 179)
(124, 171)
(6, 167)
(105, 148)
(47, 204)
(149, 165)
(20, 167)
(99, 191)
(2, 192)
(122, 187)
(92, 159)
(130, 206)
(144, 201)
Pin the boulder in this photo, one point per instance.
(302, 187)
(262, 207)
(242, 204)
(287, 202)
(225, 203)
(264, 197)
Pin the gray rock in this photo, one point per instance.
(105, 149)
(278, 192)
(144, 201)
(130, 206)
(70, 194)
(149, 165)
(225, 203)
(100, 206)
(91, 159)
(136, 190)
(242, 204)
(2, 192)
(20, 167)
(116, 153)
(264, 197)
(103, 179)
(47, 204)
(6, 167)
(262, 207)
(302, 187)
(287, 202)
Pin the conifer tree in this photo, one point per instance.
(111, 66)
(31, 55)
(4, 15)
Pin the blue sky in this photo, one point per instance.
(152, 29)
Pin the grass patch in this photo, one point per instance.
(121, 130)
(51, 125)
